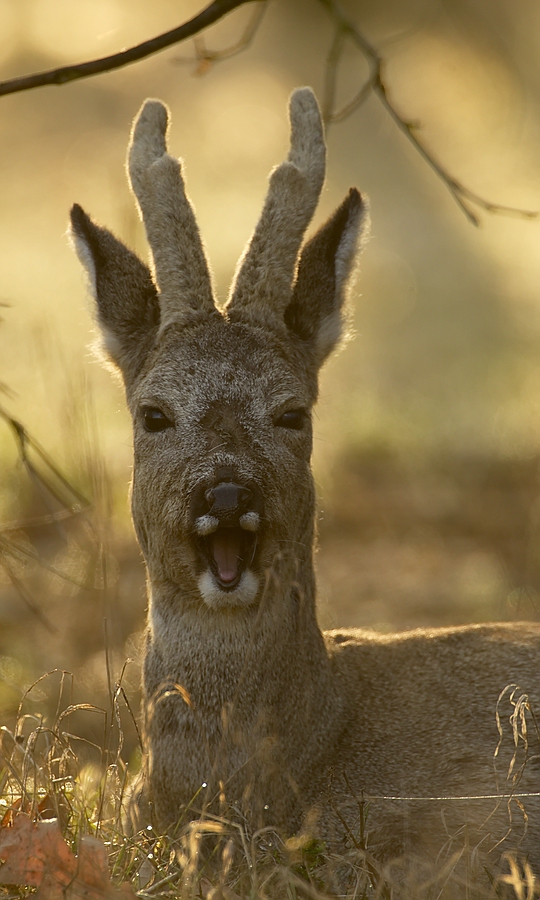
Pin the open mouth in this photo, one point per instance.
(228, 551)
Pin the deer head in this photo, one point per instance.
(221, 399)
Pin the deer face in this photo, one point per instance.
(221, 400)
(222, 442)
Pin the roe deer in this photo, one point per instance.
(244, 697)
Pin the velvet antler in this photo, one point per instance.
(265, 272)
(180, 264)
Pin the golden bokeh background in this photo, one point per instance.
(428, 427)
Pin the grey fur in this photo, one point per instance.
(241, 688)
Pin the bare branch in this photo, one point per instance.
(345, 28)
(208, 16)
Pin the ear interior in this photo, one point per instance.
(316, 312)
(125, 295)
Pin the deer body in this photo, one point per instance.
(243, 694)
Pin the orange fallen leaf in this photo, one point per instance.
(35, 854)
(45, 810)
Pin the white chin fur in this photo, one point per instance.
(215, 597)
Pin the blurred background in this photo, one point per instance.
(427, 433)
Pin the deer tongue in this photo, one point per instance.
(226, 546)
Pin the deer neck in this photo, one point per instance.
(258, 705)
(244, 657)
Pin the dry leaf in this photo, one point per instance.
(35, 854)
(45, 809)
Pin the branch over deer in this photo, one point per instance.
(242, 692)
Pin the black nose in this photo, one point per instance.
(228, 500)
(225, 500)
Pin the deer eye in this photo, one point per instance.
(293, 418)
(154, 419)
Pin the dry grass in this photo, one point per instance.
(47, 770)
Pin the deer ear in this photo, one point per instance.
(126, 297)
(316, 311)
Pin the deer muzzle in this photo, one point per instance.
(227, 521)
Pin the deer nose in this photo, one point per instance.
(228, 500)
(226, 504)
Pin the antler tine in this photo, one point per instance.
(180, 264)
(266, 271)
(308, 149)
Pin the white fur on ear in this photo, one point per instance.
(106, 346)
(331, 333)
(352, 240)
(85, 257)
(108, 349)
(333, 329)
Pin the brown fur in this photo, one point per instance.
(286, 726)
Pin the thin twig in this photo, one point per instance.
(345, 28)
(355, 103)
(208, 16)
(330, 114)
(39, 521)
(330, 81)
(207, 58)
(459, 191)
(11, 548)
(26, 597)
(120, 691)
(71, 506)
(25, 441)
